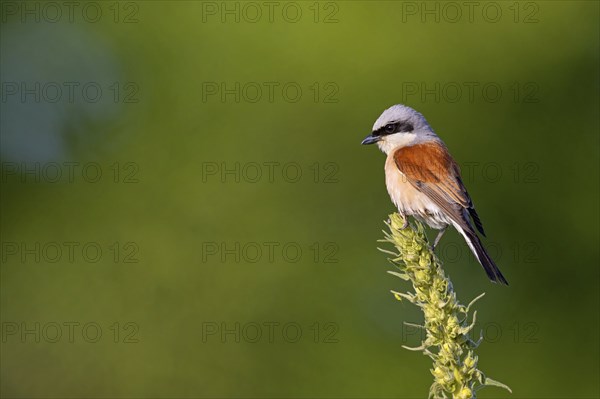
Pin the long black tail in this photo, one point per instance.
(483, 257)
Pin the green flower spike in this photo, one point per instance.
(446, 324)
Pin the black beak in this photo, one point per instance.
(370, 139)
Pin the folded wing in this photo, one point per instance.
(430, 168)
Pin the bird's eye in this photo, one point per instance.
(390, 128)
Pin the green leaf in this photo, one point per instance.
(494, 383)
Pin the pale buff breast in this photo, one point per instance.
(408, 199)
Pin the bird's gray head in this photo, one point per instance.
(399, 126)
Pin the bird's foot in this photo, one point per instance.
(438, 238)
(405, 225)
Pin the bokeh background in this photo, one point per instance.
(182, 169)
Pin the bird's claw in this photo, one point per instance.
(438, 238)
(405, 224)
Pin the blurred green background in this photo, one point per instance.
(199, 172)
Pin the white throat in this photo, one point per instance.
(395, 141)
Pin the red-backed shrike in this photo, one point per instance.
(424, 181)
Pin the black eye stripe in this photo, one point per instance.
(398, 127)
(406, 127)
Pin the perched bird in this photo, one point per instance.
(424, 181)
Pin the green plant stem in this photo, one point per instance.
(446, 321)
